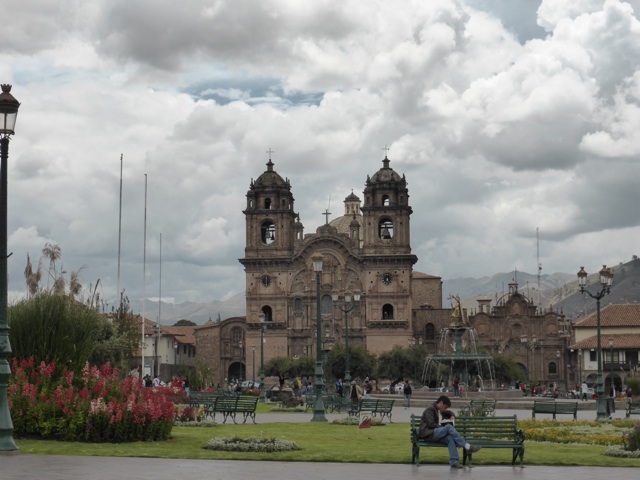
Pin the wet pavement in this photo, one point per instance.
(58, 467)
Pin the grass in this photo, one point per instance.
(325, 442)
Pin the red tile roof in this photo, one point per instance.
(620, 342)
(624, 315)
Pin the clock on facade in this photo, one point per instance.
(387, 278)
(266, 280)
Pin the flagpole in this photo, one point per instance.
(144, 272)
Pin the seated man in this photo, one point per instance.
(433, 430)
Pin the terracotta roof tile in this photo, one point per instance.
(616, 315)
(620, 342)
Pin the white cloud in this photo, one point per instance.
(499, 128)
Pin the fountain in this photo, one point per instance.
(457, 355)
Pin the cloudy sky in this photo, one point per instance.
(505, 116)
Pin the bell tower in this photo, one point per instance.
(270, 218)
(386, 213)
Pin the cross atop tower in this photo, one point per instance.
(326, 214)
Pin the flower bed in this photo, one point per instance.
(97, 406)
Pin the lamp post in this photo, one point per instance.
(263, 319)
(348, 306)
(580, 367)
(253, 365)
(606, 278)
(530, 344)
(8, 113)
(318, 408)
(611, 385)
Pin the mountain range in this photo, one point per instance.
(558, 291)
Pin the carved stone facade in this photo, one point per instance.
(514, 327)
(367, 250)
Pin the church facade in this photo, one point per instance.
(367, 250)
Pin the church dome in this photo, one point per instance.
(351, 214)
(385, 174)
(269, 178)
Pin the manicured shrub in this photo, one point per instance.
(96, 406)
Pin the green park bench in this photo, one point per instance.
(554, 408)
(486, 432)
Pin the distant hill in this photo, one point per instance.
(557, 290)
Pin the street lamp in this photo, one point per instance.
(318, 409)
(8, 114)
(580, 367)
(530, 344)
(263, 325)
(613, 395)
(348, 306)
(606, 278)
(253, 365)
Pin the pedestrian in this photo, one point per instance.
(433, 429)
(585, 390)
(456, 386)
(407, 394)
(368, 388)
(339, 388)
(356, 395)
(185, 384)
(135, 373)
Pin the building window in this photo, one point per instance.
(385, 229)
(297, 305)
(268, 313)
(553, 368)
(593, 356)
(430, 331)
(236, 335)
(267, 203)
(387, 311)
(268, 232)
(326, 305)
(385, 200)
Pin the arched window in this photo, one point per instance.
(387, 311)
(385, 200)
(385, 229)
(268, 313)
(236, 335)
(326, 305)
(268, 232)
(267, 203)
(430, 331)
(297, 305)
(553, 368)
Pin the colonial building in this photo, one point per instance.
(515, 327)
(620, 342)
(368, 250)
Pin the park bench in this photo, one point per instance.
(205, 400)
(633, 408)
(375, 406)
(486, 432)
(554, 408)
(310, 401)
(230, 406)
(338, 403)
(478, 407)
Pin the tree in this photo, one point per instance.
(401, 363)
(285, 368)
(361, 362)
(54, 328)
(184, 323)
(506, 369)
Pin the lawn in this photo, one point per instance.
(325, 442)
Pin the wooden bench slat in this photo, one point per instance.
(554, 408)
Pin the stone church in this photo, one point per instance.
(367, 250)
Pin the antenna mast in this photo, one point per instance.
(538, 255)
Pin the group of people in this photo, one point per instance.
(147, 381)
